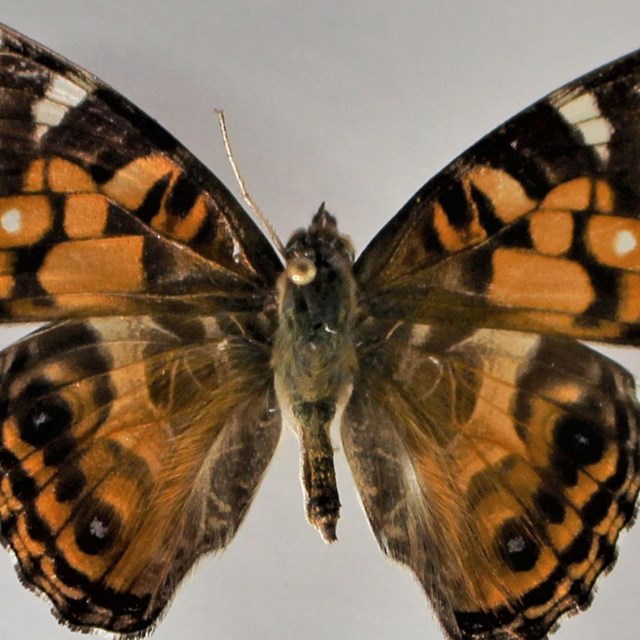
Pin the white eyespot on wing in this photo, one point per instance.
(583, 114)
(625, 242)
(61, 95)
(11, 220)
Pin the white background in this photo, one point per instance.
(356, 103)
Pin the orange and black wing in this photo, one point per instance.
(135, 428)
(102, 211)
(500, 466)
(129, 447)
(535, 228)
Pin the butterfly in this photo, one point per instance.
(495, 455)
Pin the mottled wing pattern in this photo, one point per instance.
(102, 211)
(535, 228)
(501, 469)
(130, 446)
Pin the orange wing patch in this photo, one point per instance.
(110, 463)
(507, 195)
(101, 265)
(132, 184)
(551, 231)
(63, 176)
(567, 266)
(85, 215)
(521, 279)
(516, 448)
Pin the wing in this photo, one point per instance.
(499, 466)
(129, 447)
(535, 228)
(102, 212)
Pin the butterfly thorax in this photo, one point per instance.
(314, 354)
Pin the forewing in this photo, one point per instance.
(101, 210)
(129, 447)
(499, 466)
(534, 228)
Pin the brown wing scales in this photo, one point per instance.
(500, 466)
(527, 446)
(129, 447)
(535, 228)
(102, 211)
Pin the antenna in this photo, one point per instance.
(271, 232)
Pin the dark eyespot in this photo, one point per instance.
(97, 526)
(42, 415)
(516, 545)
(578, 440)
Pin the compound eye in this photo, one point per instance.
(301, 271)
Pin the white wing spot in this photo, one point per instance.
(596, 131)
(64, 91)
(48, 113)
(583, 114)
(584, 107)
(11, 220)
(61, 95)
(625, 242)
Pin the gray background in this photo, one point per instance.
(355, 103)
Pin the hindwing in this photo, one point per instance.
(129, 447)
(499, 466)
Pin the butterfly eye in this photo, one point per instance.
(301, 271)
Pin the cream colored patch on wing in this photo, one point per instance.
(61, 95)
(583, 114)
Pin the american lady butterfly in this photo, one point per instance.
(495, 455)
